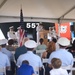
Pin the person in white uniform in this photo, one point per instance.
(62, 53)
(5, 51)
(4, 60)
(57, 70)
(11, 33)
(34, 60)
(18, 34)
(9, 54)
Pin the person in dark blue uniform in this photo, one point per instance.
(19, 51)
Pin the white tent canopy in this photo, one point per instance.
(37, 10)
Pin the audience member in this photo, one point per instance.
(65, 56)
(9, 54)
(72, 50)
(5, 51)
(55, 41)
(20, 50)
(25, 69)
(56, 65)
(4, 60)
(51, 47)
(34, 60)
(41, 46)
(10, 46)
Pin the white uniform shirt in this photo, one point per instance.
(17, 35)
(34, 60)
(8, 53)
(11, 35)
(57, 46)
(59, 71)
(4, 61)
(65, 56)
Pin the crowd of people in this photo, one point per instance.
(25, 60)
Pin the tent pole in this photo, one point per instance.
(67, 12)
(4, 1)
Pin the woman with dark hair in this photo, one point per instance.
(50, 48)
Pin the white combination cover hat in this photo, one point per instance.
(63, 41)
(19, 27)
(11, 27)
(3, 41)
(30, 44)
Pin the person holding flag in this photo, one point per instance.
(18, 34)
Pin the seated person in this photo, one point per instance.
(20, 50)
(34, 60)
(50, 48)
(41, 46)
(72, 49)
(61, 52)
(56, 65)
(56, 44)
(9, 54)
(10, 46)
(25, 69)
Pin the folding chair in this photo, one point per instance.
(68, 68)
(44, 61)
(36, 70)
(3, 71)
(39, 52)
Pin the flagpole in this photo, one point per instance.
(21, 31)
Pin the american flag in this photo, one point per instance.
(21, 31)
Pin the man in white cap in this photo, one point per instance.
(8, 53)
(4, 60)
(5, 51)
(65, 56)
(34, 60)
(11, 34)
